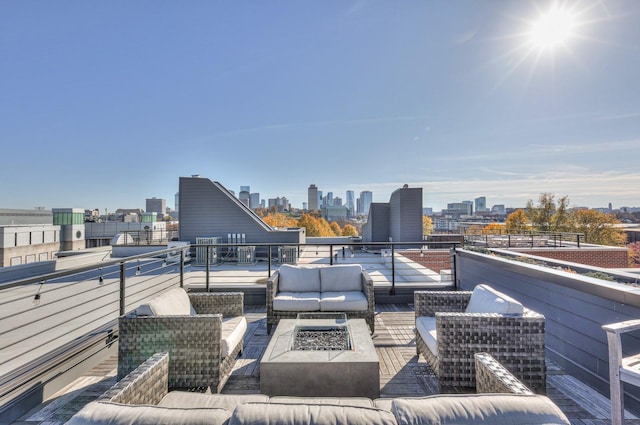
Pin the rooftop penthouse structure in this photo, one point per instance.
(208, 209)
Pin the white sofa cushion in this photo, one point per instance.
(343, 301)
(317, 414)
(298, 279)
(343, 277)
(426, 327)
(297, 301)
(340, 401)
(174, 302)
(187, 399)
(102, 413)
(233, 330)
(485, 299)
(467, 409)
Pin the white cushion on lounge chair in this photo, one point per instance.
(297, 301)
(340, 278)
(426, 327)
(174, 302)
(298, 279)
(233, 330)
(343, 301)
(485, 299)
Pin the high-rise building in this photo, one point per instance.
(254, 200)
(177, 202)
(329, 199)
(156, 205)
(365, 202)
(481, 204)
(312, 197)
(244, 195)
(351, 207)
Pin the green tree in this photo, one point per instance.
(598, 227)
(547, 216)
(427, 225)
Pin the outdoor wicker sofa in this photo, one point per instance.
(451, 327)
(202, 332)
(142, 397)
(345, 288)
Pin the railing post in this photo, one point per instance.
(393, 271)
(454, 271)
(331, 255)
(122, 285)
(269, 261)
(207, 269)
(578, 241)
(182, 268)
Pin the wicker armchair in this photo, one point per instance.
(194, 342)
(366, 286)
(515, 341)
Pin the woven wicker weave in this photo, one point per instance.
(193, 342)
(492, 377)
(517, 342)
(146, 384)
(274, 316)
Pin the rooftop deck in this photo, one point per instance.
(402, 373)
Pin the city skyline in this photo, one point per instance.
(463, 99)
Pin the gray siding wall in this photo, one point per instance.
(406, 215)
(207, 209)
(378, 223)
(575, 308)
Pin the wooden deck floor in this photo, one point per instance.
(402, 373)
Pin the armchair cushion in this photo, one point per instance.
(463, 409)
(340, 278)
(297, 301)
(233, 330)
(174, 302)
(343, 301)
(298, 279)
(485, 299)
(426, 327)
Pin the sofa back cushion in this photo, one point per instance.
(340, 278)
(174, 302)
(463, 409)
(100, 413)
(299, 279)
(485, 299)
(308, 413)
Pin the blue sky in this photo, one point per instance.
(105, 104)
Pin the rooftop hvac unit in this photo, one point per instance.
(214, 251)
(288, 254)
(246, 255)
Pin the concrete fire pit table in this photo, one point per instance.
(338, 371)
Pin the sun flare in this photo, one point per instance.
(553, 28)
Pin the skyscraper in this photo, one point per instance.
(481, 204)
(351, 202)
(312, 195)
(365, 202)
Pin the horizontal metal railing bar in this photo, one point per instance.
(54, 275)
